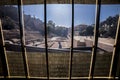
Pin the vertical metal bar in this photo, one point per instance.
(3, 54)
(72, 40)
(96, 32)
(46, 45)
(22, 38)
(119, 75)
(116, 52)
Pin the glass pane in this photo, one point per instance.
(107, 32)
(59, 38)
(11, 32)
(35, 39)
(83, 38)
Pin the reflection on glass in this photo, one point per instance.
(107, 32)
(34, 39)
(11, 33)
(59, 38)
(83, 39)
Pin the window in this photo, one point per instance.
(107, 30)
(59, 39)
(84, 19)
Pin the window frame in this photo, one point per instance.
(115, 55)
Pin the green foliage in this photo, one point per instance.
(89, 30)
(108, 27)
(61, 31)
(8, 23)
(10, 11)
(9, 16)
(57, 30)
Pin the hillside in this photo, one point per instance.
(34, 27)
(80, 27)
(107, 28)
(9, 16)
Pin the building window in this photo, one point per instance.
(63, 39)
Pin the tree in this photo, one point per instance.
(89, 31)
(50, 26)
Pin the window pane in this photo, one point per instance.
(83, 38)
(11, 32)
(35, 39)
(59, 38)
(107, 32)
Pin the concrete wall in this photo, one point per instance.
(17, 48)
(78, 43)
(105, 46)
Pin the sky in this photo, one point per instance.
(61, 14)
